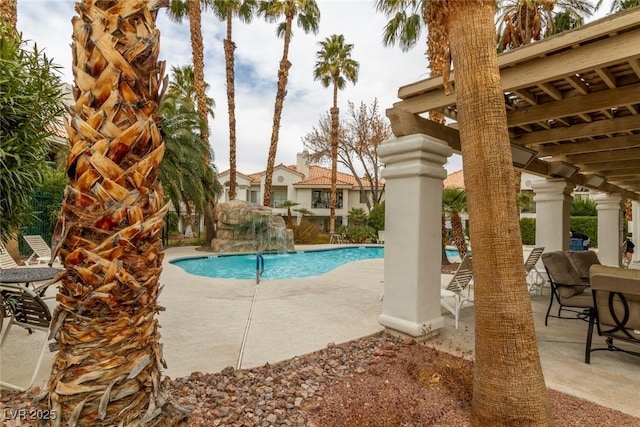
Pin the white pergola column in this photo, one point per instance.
(413, 238)
(553, 211)
(610, 208)
(634, 229)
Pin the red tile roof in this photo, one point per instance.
(454, 180)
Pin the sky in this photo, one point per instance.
(258, 52)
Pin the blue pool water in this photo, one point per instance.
(277, 266)
(281, 266)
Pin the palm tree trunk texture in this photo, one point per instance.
(335, 112)
(509, 387)
(197, 47)
(9, 11)
(281, 92)
(107, 370)
(229, 48)
(445, 259)
(458, 234)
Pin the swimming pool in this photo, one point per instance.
(281, 266)
(277, 266)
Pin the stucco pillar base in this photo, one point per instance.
(413, 329)
(413, 237)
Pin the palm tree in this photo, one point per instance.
(225, 10)
(507, 364)
(619, 5)
(107, 369)
(334, 66)
(308, 18)
(454, 202)
(178, 10)
(182, 85)
(289, 204)
(9, 12)
(521, 22)
(184, 175)
(193, 9)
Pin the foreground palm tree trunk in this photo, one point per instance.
(229, 48)
(9, 11)
(107, 371)
(509, 386)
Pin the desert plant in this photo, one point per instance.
(376, 217)
(305, 232)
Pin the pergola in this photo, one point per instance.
(572, 101)
(573, 112)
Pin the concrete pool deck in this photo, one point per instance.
(205, 320)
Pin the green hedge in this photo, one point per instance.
(587, 224)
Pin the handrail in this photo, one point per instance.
(259, 267)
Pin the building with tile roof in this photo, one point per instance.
(308, 185)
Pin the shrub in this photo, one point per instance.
(583, 207)
(528, 231)
(305, 232)
(588, 225)
(359, 234)
(376, 217)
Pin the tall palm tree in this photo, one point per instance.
(521, 22)
(307, 14)
(184, 175)
(226, 9)
(407, 19)
(334, 66)
(178, 10)
(107, 369)
(9, 12)
(454, 202)
(509, 386)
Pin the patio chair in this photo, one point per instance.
(582, 262)
(534, 278)
(6, 260)
(29, 311)
(616, 312)
(41, 251)
(459, 288)
(566, 287)
(381, 236)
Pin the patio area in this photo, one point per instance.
(205, 322)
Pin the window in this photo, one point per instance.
(321, 199)
(254, 196)
(364, 197)
(278, 196)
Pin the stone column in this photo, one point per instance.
(610, 208)
(553, 211)
(634, 229)
(413, 242)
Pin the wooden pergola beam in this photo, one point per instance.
(601, 127)
(592, 146)
(575, 105)
(604, 156)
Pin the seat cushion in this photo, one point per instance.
(584, 299)
(567, 281)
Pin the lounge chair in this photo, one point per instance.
(41, 251)
(566, 287)
(6, 260)
(459, 288)
(582, 262)
(381, 236)
(616, 312)
(29, 311)
(534, 278)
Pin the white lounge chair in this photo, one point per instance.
(41, 251)
(458, 288)
(534, 279)
(6, 260)
(381, 236)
